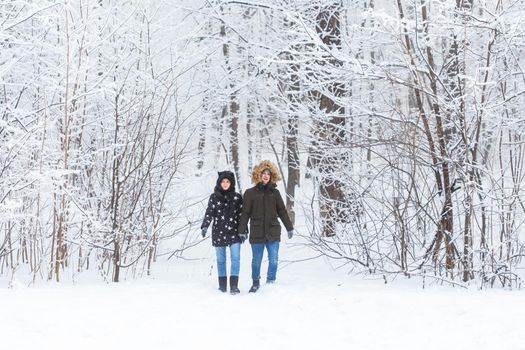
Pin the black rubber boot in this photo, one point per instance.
(234, 281)
(255, 286)
(223, 281)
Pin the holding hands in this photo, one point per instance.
(243, 236)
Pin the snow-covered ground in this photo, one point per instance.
(311, 307)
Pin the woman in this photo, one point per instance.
(262, 205)
(224, 208)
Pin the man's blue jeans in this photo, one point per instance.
(235, 257)
(272, 247)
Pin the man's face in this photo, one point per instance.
(265, 177)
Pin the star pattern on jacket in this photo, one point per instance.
(225, 213)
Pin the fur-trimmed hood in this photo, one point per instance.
(265, 164)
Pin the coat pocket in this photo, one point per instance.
(275, 228)
(256, 227)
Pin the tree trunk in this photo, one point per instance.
(331, 127)
(293, 165)
(232, 114)
(294, 97)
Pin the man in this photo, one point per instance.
(262, 204)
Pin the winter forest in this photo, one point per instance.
(397, 125)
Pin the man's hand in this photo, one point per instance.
(243, 236)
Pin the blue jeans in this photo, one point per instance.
(235, 257)
(272, 247)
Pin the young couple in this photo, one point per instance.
(261, 205)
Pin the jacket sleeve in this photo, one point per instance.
(208, 216)
(238, 210)
(283, 213)
(246, 212)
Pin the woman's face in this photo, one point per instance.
(265, 177)
(225, 184)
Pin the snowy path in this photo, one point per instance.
(321, 310)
